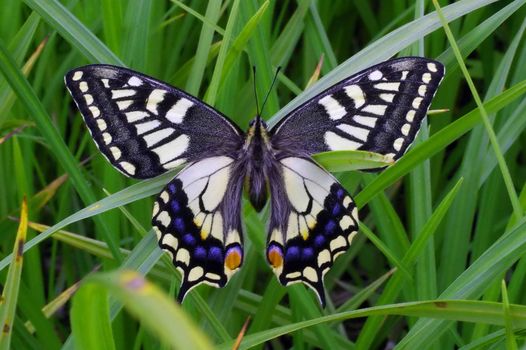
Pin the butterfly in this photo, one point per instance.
(145, 127)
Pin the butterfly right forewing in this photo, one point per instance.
(379, 110)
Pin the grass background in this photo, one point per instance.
(440, 261)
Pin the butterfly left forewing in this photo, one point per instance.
(145, 127)
(313, 220)
(197, 221)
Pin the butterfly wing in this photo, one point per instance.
(313, 220)
(198, 223)
(379, 110)
(145, 127)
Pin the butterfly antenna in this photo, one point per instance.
(269, 90)
(255, 90)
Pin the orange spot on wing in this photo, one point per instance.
(275, 258)
(232, 260)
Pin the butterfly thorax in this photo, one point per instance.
(259, 158)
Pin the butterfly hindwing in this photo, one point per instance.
(313, 220)
(145, 127)
(198, 223)
(379, 110)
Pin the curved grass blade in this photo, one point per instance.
(155, 310)
(337, 161)
(457, 310)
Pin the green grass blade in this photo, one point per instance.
(90, 319)
(436, 143)
(75, 32)
(156, 311)
(9, 299)
(511, 344)
(460, 310)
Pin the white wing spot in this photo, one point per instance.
(387, 97)
(404, 75)
(116, 152)
(345, 222)
(387, 86)
(398, 143)
(310, 274)
(124, 104)
(157, 136)
(426, 78)
(390, 155)
(367, 121)
(115, 94)
(405, 129)
(83, 86)
(147, 126)
(324, 257)
(156, 97)
(338, 242)
(170, 240)
(172, 149)
(178, 110)
(293, 275)
(375, 109)
(416, 102)
(422, 90)
(337, 143)
(183, 256)
(356, 94)
(432, 67)
(355, 131)
(129, 168)
(106, 137)
(88, 98)
(77, 75)
(346, 201)
(195, 273)
(102, 124)
(410, 115)
(213, 276)
(136, 115)
(106, 83)
(134, 81)
(163, 217)
(164, 196)
(94, 111)
(354, 212)
(375, 75)
(333, 107)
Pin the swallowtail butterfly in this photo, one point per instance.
(145, 127)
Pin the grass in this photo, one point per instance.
(440, 262)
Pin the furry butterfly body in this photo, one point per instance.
(145, 127)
